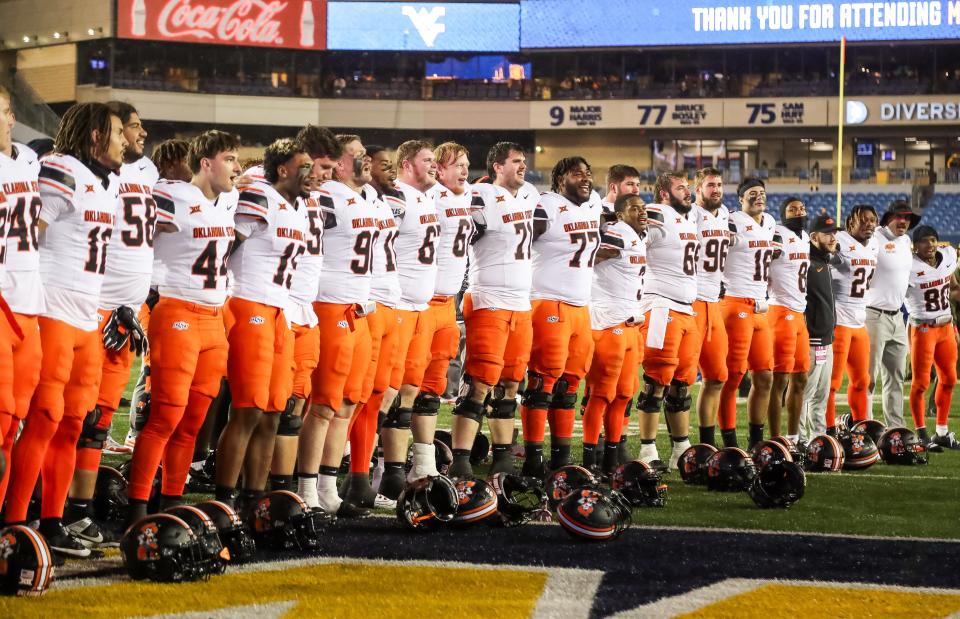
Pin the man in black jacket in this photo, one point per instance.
(821, 318)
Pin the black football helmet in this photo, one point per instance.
(845, 422)
(795, 453)
(859, 450)
(281, 520)
(110, 502)
(26, 567)
(693, 463)
(215, 555)
(476, 501)
(730, 470)
(444, 437)
(901, 446)
(565, 480)
(230, 528)
(589, 514)
(640, 484)
(768, 452)
(427, 503)
(162, 547)
(824, 454)
(480, 449)
(778, 484)
(873, 428)
(519, 499)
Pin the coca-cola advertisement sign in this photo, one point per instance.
(298, 24)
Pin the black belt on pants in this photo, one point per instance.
(883, 311)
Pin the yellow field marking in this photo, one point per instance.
(781, 600)
(326, 590)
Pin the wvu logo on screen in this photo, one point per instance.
(426, 22)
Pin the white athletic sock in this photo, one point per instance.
(677, 451)
(793, 438)
(942, 430)
(327, 496)
(307, 489)
(648, 453)
(424, 462)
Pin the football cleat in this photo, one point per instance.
(86, 532)
(62, 542)
(947, 441)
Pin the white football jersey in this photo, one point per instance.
(80, 211)
(618, 282)
(714, 234)
(22, 288)
(894, 264)
(255, 174)
(348, 236)
(500, 266)
(262, 267)
(130, 259)
(788, 271)
(748, 261)
(456, 228)
(385, 285)
(416, 247)
(852, 278)
(194, 257)
(563, 255)
(672, 247)
(307, 277)
(928, 291)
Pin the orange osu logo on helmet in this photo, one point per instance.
(587, 501)
(814, 451)
(261, 515)
(896, 443)
(7, 542)
(147, 541)
(561, 488)
(465, 491)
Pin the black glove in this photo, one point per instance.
(122, 327)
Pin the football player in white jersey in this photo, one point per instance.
(744, 308)
(195, 235)
(933, 337)
(343, 303)
(272, 230)
(889, 347)
(79, 188)
(21, 288)
(496, 308)
(788, 303)
(615, 317)
(126, 283)
(566, 238)
(713, 230)
(670, 335)
(324, 149)
(416, 250)
(857, 251)
(621, 179)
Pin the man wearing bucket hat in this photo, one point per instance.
(888, 335)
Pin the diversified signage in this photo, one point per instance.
(617, 23)
(873, 111)
(298, 24)
(421, 26)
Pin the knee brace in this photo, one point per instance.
(471, 409)
(677, 398)
(142, 413)
(562, 397)
(290, 422)
(426, 404)
(626, 411)
(92, 437)
(503, 408)
(534, 395)
(398, 418)
(647, 401)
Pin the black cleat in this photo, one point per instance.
(350, 510)
(947, 441)
(460, 470)
(63, 543)
(533, 468)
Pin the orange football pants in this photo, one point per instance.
(19, 374)
(67, 390)
(851, 351)
(677, 358)
(417, 356)
(188, 360)
(613, 376)
(384, 325)
(306, 353)
(344, 355)
(713, 340)
(749, 346)
(562, 347)
(932, 346)
(260, 365)
(443, 347)
(791, 341)
(498, 343)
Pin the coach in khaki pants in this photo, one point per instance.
(889, 347)
(821, 316)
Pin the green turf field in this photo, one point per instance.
(917, 501)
